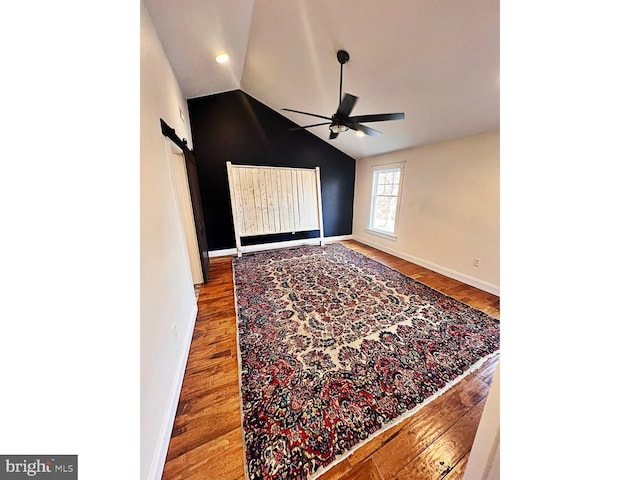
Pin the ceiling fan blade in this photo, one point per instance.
(346, 105)
(333, 135)
(364, 129)
(380, 117)
(307, 113)
(309, 126)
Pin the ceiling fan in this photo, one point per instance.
(341, 121)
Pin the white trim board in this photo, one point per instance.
(270, 246)
(447, 272)
(162, 445)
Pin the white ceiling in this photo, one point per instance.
(438, 61)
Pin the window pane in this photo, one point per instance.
(381, 212)
(385, 213)
(386, 188)
(377, 181)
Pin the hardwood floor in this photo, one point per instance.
(206, 441)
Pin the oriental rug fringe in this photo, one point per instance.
(335, 348)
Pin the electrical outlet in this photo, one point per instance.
(476, 262)
(174, 330)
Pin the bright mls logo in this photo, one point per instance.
(51, 467)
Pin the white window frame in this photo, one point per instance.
(375, 171)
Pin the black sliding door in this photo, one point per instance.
(194, 191)
(198, 216)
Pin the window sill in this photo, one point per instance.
(378, 233)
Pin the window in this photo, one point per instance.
(385, 199)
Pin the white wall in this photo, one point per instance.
(166, 290)
(450, 208)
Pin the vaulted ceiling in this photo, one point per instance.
(438, 61)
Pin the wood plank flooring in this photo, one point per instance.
(206, 441)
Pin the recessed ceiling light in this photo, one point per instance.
(222, 58)
(360, 133)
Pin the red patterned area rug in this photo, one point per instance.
(335, 348)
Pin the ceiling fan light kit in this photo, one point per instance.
(337, 128)
(341, 121)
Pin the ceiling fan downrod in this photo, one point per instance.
(343, 57)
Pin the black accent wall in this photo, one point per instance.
(235, 127)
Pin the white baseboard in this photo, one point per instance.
(337, 238)
(162, 446)
(222, 252)
(469, 280)
(274, 245)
